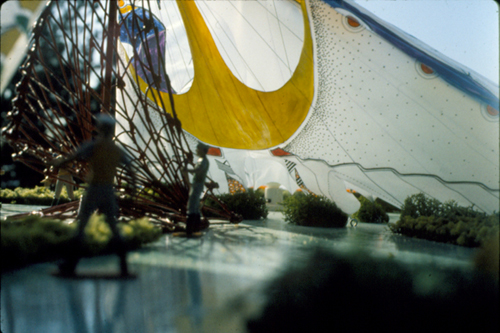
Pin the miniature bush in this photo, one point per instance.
(451, 210)
(471, 232)
(32, 240)
(430, 219)
(371, 212)
(8, 196)
(420, 205)
(313, 211)
(35, 239)
(327, 291)
(388, 208)
(286, 194)
(139, 231)
(251, 204)
(40, 195)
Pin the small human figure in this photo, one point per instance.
(104, 156)
(199, 172)
(64, 178)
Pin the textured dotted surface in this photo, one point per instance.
(377, 111)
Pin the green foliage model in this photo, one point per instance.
(313, 211)
(40, 195)
(371, 212)
(249, 204)
(36, 239)
(328, 292)
(447, 222)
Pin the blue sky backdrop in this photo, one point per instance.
(465, 30)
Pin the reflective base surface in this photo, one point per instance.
(207, 284)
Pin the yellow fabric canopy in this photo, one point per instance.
(222, 111)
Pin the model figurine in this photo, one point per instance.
(199, 172)
(104, 156)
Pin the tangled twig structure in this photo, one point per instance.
(72, 72)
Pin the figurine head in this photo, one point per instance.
(105, 124)
(201, 149)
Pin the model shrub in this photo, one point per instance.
(388, 208)
(313, 211)
(286, 194)
(40, 195)
(419, 205)
(251, 204)
(32, 240)
(36, 239)
(327, 292)
(371, 212)
(430, 219)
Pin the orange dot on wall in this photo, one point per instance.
(213, 151)
(426, 69)
(280, 152)
(353, 22)
(492, 111)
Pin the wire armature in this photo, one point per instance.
(76, 68)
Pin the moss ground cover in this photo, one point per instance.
(35, 239)
(40, 195)
(250, 204)
(448, 222)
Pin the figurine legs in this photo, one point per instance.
(68, 267)
(119, 246)
(57, 193)
(123, 265)
(109, 208)
(192, 223)
(66, 181)
(195, 223)
(102, 198)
